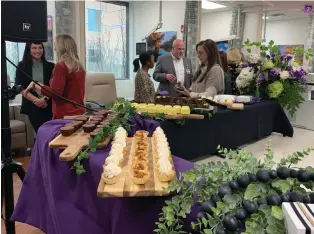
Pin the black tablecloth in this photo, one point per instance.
(227, 128)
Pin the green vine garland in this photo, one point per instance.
(123, 113)
(206, 180)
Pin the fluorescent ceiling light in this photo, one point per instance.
(266, 17)
(211, 5)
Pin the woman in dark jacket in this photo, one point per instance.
(37, 107)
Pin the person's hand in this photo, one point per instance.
(171, 78)
(184, 91)
(41, 103)
(30, 87)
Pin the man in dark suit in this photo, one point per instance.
(172, 69)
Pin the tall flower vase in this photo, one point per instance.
(262, 91)
(257, 94)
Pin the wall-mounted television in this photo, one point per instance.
(140, 47)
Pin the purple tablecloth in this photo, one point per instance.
(57, 201)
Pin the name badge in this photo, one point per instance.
(188, 71)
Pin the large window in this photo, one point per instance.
(14, 52)
(106, 38)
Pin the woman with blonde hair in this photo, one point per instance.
(68, 80)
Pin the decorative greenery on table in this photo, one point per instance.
(274, 75)
(227, 193)
(123, 112)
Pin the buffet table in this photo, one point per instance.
(57, 201)
(227, 128)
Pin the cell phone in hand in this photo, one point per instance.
(179, 87)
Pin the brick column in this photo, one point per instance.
(192, 30)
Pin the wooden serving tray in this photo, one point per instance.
(125, 186)
(74, 144)
(180, 116)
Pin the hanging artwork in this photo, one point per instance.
(222, 45)
(287, 50)
(161, 42)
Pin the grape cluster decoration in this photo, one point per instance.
(232, 222)
(244, 197)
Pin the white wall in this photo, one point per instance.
(145, 16)
(252, 27)
(215, 25)
(287, 32)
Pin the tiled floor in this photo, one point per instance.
(282, 146)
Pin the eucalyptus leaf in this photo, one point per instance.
(256, 229)
(276, 212)
(254, 191)
(283, 185)
(273, 229)
(232, 200)
(208, 231)
(266, 209)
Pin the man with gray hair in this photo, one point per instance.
(172, 69)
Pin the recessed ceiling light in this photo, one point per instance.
(211, 5)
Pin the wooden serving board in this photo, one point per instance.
(180, 116)
(125, 186)
(74, 144)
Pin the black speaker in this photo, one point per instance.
(24, 21)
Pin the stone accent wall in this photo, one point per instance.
(310, 41)
(236, 43)
(192, 30)
(65, 17)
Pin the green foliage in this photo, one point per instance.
(307, 53)
(268, 220)
(255, 190)
(296, 157)
(124, 111)
(291, 97)
(289, 92)
(145, 115)
(182, 121)
(160, 116)
(199, 184)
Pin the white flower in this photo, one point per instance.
(284, 75)
(245, 78)
(254, 58)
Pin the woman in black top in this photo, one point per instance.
(37, 107)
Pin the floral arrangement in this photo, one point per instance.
(273, 75)
(244, 197)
